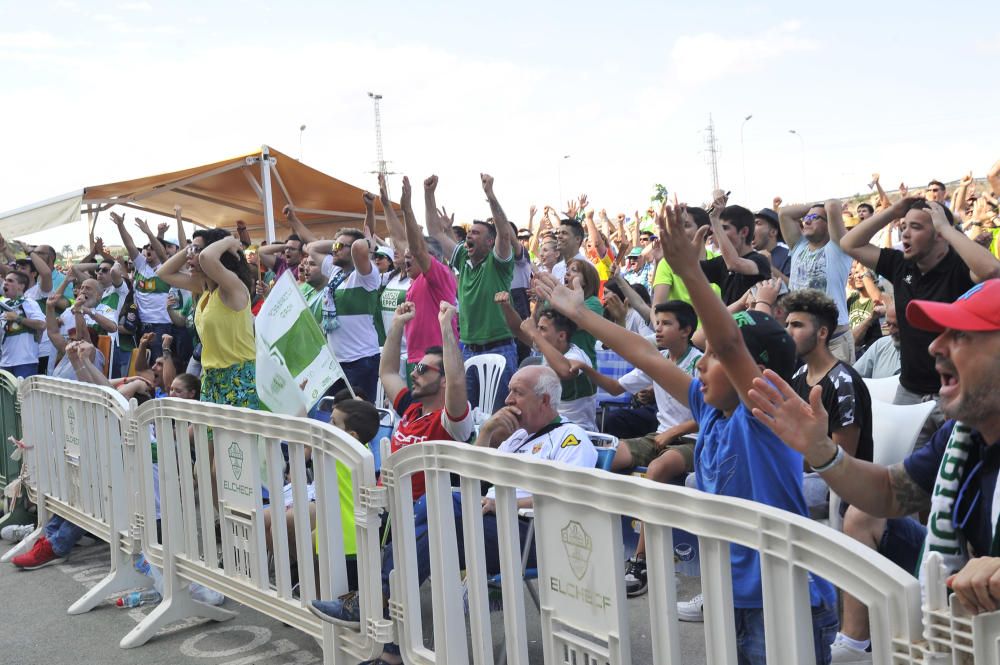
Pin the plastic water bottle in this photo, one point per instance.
(205, 595)
(137, 598)
(686, 560)
(143, 566)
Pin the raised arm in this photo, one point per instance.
(455, 397)
(857, 241)
(993, 177)
(232, 290)
(789, 219)
(43, 269)
(298, 228)
(154, 242)
(628, 345)
(959, 197)
(119, 221)
(835, 220)
(982, 264)
(512, 318)
(721, 332)
(388, 366)
(319, 249)
(637, 303)
(433, 221)
(594, 234)
(170, 272)
(397, 232)
(169, 371)
(107, 325)
(181, 237)
(734, 262)
(553, 356)
(414, 237)
(883, 198)
(52, 326)
(505, 235)
(268, 254)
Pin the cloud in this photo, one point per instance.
(30, 40)
(710, 56)
(139, 6)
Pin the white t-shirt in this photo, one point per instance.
(635, 323)
(559, 269)
(669, 411)
(579, 396)
(353, 305)
(150, 292)
(565, 442)
(67, 320)
(19, 345)
(825, 269)
(34, 292)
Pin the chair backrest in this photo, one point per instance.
(386, 424)
(106, 346)
(489, 367)
(612, 365)
(606, 446)
(884, 389)
(895, 428)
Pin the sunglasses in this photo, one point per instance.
(423, 368)
(337, 246)
(813, 218)
(104, 270)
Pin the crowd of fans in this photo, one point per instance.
(741, 341)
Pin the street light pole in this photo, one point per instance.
(743, 157)
(302, 129)
(559, 176)
(802, 144)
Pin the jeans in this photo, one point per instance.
(902, 542)
(121, 361)
(629, 423)
(158, 330)
(750, 634)
(490, 539)
(362, 374)
(509, 352)
(22, 371)
(62, 535)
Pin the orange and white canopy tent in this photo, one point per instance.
(254, 187)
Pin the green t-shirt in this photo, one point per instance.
(678, 289)
(479, 318)
(314, 300)
(584, 339)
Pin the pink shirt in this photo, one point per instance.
(426, 294)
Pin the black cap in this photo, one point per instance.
(768, 343)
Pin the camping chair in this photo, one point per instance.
(612, 365)
(106, 346)
(884, 389)
(895, 428)
(489, 368)
(606, 446)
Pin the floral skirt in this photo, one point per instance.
(235, 385)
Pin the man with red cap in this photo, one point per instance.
(963, 502)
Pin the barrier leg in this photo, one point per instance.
(179, 605)
(123, 576)
(26, 544)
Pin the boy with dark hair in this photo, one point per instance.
(811, 316)
(738, 267)
(736, 455)
(569, 239)
(22, 320)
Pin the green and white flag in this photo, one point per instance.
(295, 365)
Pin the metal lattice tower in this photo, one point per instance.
(381, 163)
(712, 148)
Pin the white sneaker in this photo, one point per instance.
(844, 654)
(692, 610)
(16, 532)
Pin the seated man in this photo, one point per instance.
(436, 408)
(528, 425)
(967, 357)
(881, 359)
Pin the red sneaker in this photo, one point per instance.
(39, 556)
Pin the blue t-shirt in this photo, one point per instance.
(740, 457)
(922, 466)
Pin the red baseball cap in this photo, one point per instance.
(978, 309)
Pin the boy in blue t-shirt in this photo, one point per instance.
(736, 455)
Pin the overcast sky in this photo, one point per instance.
(96, 92)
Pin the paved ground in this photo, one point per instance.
(35, 628)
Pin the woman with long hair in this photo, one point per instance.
(221, 281)
(584, 274)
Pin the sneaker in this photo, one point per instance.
(41, 555)
(693, 610)
(344, 611)
(843, 653)
(635, 577)
(16, 532)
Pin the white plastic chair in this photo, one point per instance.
(489, 367)
(884, 389)
(895, 428)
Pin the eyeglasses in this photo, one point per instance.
(423, 368)
(813, 218)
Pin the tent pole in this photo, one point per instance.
(265, 181)
(91, 223)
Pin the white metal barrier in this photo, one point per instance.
(581, 564)
(234, 453)
(79, 469)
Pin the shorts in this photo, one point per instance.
(644, 451)
(902, 542)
